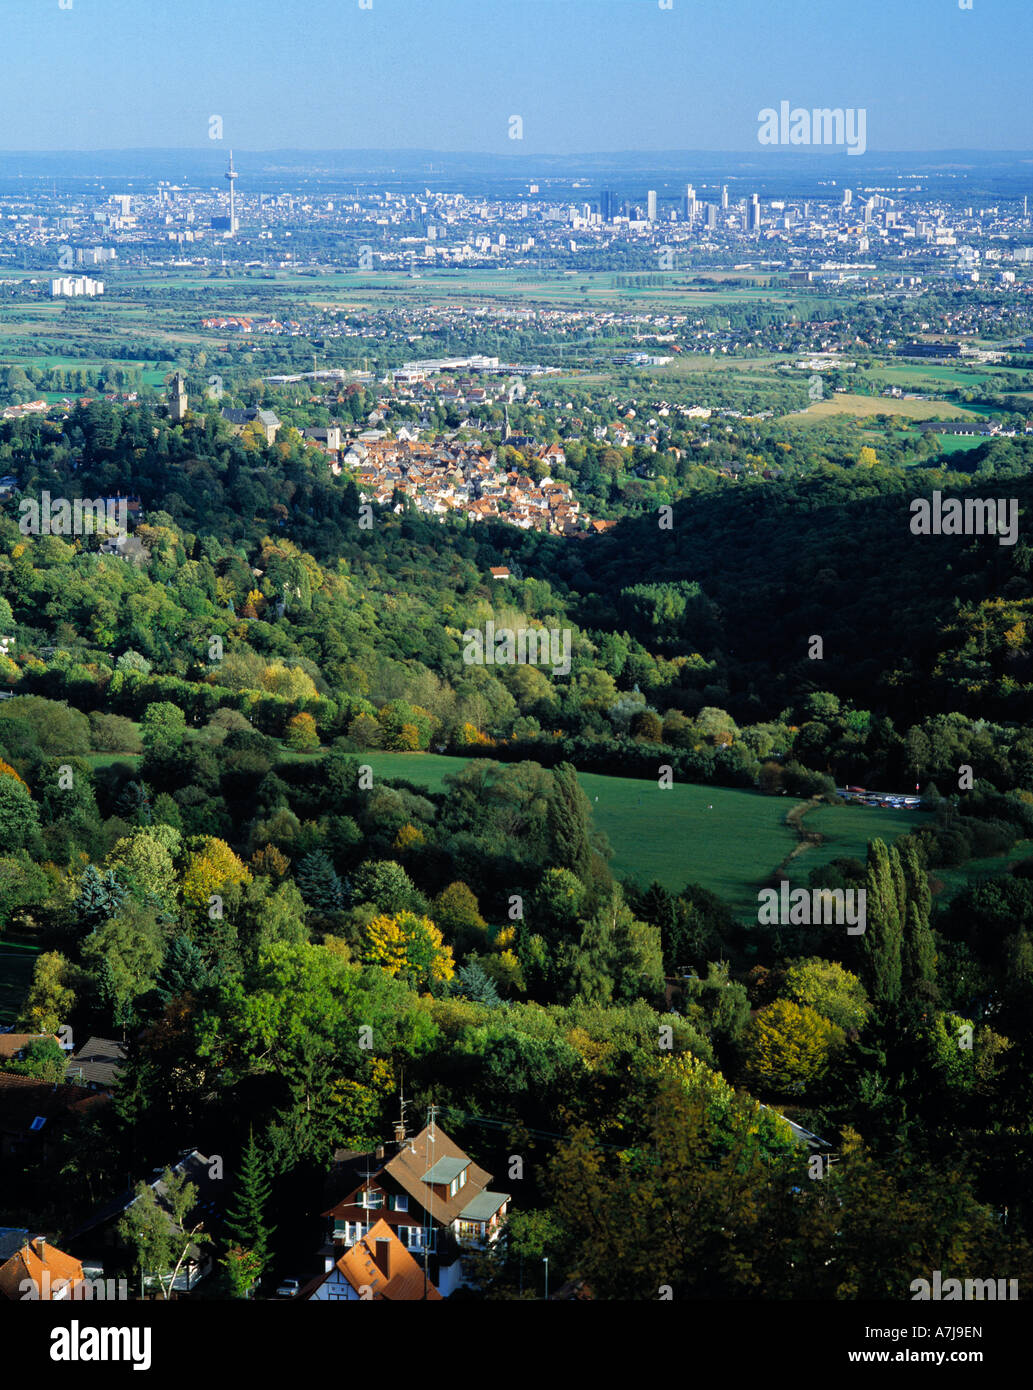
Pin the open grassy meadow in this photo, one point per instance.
(947, 883)
(860, 406)
(729, 841)
(847, 830)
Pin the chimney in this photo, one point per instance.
(42, 1250)
(400, 1135)
(382, 1257)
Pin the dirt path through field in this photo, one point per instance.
(808, 839)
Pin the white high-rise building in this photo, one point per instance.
(73, 286)
(690, 203)
(651, 205)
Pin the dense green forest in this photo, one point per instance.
(192, 838)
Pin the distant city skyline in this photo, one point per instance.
(567, 76)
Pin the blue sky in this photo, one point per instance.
(584, 75)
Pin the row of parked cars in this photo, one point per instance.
(900, 801)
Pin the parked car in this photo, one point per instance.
(288, 1289)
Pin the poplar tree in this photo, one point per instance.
(569, 822)
(885, 898)
(919, 963)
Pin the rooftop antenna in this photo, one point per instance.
(432, 1110)
(365, 1200)
(400, 1127)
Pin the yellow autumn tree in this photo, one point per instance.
(410, 947)
(289, 681)
(302, 734)
(212, 867)
(788, 1047)
(270, 861)
(470, 735)
(408, 837)
(252, 436)
(51, 996)
(868, 458)
(6, 770)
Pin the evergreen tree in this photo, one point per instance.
(317, 879)
(133, 804)
(245, 1222)
(183, 970)
(99, 897)
(657, 907)
(473, 983)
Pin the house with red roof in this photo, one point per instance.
(376, 1266)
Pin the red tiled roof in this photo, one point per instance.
(12, 1043)
(359, 1266)
(27, 1264)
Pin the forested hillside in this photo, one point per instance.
(194, 843)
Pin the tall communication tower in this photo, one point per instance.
(231, 177)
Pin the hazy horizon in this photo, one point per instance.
(453, 74)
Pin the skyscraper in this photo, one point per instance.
(608, 205)
(690, 203)
(754, 213)
(651, 205)
(724, 198)
(711, 216)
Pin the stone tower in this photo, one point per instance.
(178, 398)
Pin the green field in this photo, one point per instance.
(96, 760)
(847, 830)
(947, 883)
(729, 841)
(919, 376)
(956, 444)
